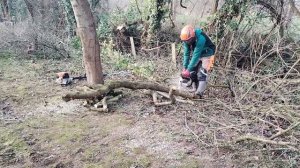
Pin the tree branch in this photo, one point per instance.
(284, 131)
(182, 5)
(272, 10)
(103, 90)
(259, 139)
(294, 8)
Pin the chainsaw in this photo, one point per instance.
(190, 83)
(64, 79)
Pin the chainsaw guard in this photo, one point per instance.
(186, 85)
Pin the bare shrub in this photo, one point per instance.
(25, 38)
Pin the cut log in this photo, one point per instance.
(102, 90)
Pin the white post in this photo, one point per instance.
(174, 54)
(132, 47)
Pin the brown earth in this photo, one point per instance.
(38, 129)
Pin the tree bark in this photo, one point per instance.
(90, 45)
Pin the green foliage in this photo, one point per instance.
(151, 12)
(121, 61)
(143, 69)
(6, 55)
(76, 43)
(157, 10)
(10, 139)
(295, 97)
(69, 16)
(272, 68)
(104, 27)
(18, 10)
(130, 15)
(233, 25)
(202, 24)
(108, 21)
(294, 29)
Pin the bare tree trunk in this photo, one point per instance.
(90, 45)
(70, 18)
(43, 13)
(30, 9)
(5, 10)
(215, 9)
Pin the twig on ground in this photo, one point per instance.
(104, 106)
(215, 121)
(186, 125)
(269, 123)
(196, 136)
(260, 139)
(281, 132)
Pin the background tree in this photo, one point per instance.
(70, 18)
(5, 10)
(158, 11)
(31, 9)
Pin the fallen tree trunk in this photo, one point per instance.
(102, 90)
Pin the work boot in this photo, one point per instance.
(202, 78)
(201, 88)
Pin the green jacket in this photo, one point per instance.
(202, 47)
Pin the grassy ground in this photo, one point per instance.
(38, 129)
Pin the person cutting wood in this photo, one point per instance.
(198, 57)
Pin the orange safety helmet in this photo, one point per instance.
(187, 33)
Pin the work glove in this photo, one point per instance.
(185, 73)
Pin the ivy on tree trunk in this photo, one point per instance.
(157, 10)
